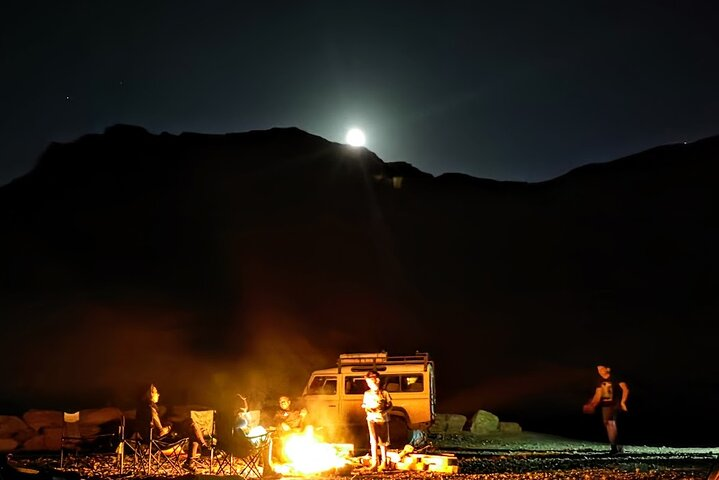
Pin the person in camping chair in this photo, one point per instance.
(288, 419)
(148, 421)
(244, 436)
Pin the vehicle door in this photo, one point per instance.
(322, 400)
(353, 393)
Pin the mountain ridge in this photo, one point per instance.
(273, 251)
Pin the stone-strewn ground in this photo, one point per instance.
(525, 455)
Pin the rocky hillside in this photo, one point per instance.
(215, 262)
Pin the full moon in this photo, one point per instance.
(355, 137)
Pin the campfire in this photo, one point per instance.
(308, 454)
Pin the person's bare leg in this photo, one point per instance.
(373, 449)
(611, 426)
(191, 454)
(383, 452)
(612, 432)
(372, 444)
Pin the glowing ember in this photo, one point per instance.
(307, 454)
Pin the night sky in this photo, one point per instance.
(504, 90)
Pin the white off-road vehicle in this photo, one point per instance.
(333, 396)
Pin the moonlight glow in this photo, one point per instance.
(355, 137)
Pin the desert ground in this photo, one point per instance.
(529, 455)
(524, 455)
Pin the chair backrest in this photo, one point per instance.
(253, 418)
(71, 417)
(205, 421)
(71, 425)
(392, 387)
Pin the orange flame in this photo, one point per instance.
(308, 454)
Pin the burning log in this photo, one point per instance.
(446, 463)
(308, 454)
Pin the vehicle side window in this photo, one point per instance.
(330, 387)
(412, 383)
(355, 385)
(323, 385)
(391, 383)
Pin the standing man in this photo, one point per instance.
(377, 403)
(611, 395)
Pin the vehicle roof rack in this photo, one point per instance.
(371, 360)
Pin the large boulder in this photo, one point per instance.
(48, 440)
(129, 414)
(7, 444)
(39, 419)
(11, 426)
(484, 422)
(448, 423)
(510, 427)
(100, 416)
(24, 435)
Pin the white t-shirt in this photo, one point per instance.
(376, 404)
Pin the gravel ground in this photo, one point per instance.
(530, 455)
(543, 443)
(526, 455)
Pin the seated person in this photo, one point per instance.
(286, 420)
(149, 423)
(245, 437)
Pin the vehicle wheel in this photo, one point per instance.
(398, 432)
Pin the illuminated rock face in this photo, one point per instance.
(484, 422)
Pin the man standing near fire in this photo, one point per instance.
(607, 396)
(377, 403)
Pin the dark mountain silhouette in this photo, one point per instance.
(217, 263)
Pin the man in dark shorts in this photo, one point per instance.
(608, 396)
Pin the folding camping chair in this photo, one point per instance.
(80, 443)
(245, 454)
(152, 455)
(260, 452)
(206, 422)
(166, 455)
